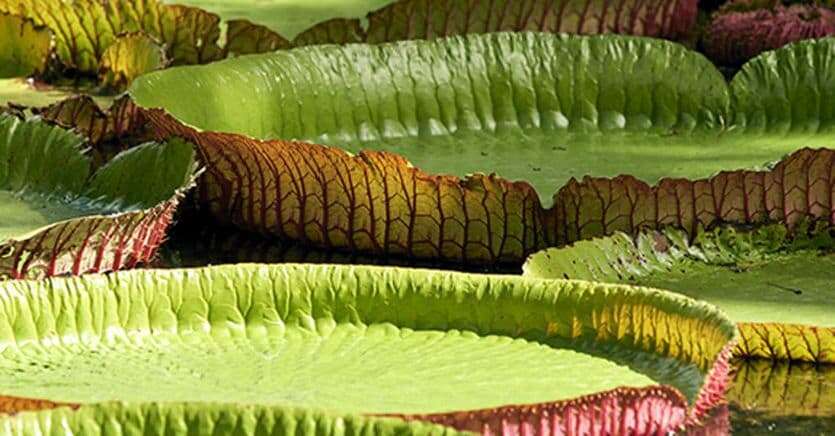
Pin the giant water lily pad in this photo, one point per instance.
(57, 216)
(215, 419)
(776, 285)
(354, 340)
(536, 107)
(776, 280)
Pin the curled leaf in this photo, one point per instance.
(120, 123)
(798, 189)
(788, 91)
(589, 93)
(72, 221)
(733, 38)
(425, 19)
(752, 275)
(374, 202)
(182, 419)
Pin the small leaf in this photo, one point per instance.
(129, 57)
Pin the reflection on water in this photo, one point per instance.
(766, 398)
(782, 399)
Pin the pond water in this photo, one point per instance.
(781, 398)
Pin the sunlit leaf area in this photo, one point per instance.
(417, 217)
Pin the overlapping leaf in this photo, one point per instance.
(752, 276)
(84, 29)
(129, 57)
(423, 19)
(70, 221)
(120, 123)
(734, 37)
(239, 318)
(506, 85)
(373, 202)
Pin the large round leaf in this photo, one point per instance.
(543, 108)
(414, 343)
(775, 284)
(58, 217)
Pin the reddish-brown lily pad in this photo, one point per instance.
(58, 217)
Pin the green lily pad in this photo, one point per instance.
(353, 340)
(59, 217)
(229, 419)
(129, 57)
(536, 107)
(480, 99)
(25, 48)
(776, 284)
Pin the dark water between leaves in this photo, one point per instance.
(766, 398)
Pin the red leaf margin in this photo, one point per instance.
(656, 410)
(395, 209)
(798, 189)
(90, 244)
